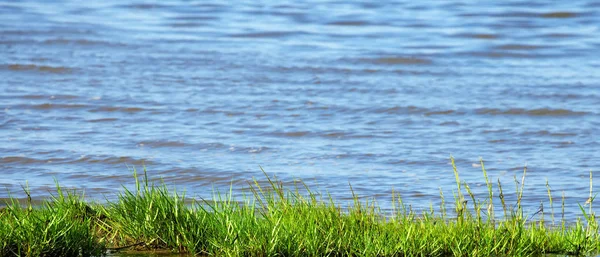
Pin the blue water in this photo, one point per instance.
(375, 94)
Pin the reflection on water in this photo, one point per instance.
(375, 94)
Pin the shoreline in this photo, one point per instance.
(275, 220)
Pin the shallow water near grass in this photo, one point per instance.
(378, 95)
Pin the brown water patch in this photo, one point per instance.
(446, 112)
(40, 68)
(231, 114)
(296, 134)
(559, 15)
(20, 160)
(418, 194)
(335, 134)
(548, 133)
(27, 160)
(22, 201)
(450, 123)
(560, 35)
(49, 106)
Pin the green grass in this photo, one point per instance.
(278, 221)
(62, 226)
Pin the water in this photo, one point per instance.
(378, 95)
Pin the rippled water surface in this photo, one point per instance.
(376, 94)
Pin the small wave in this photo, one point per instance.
(111, 160)
(518, 47)
(345, 135)
(525, 112)
(28, 160)
(103, 120)
(40, 68)
(33, 97)
(563, 144)
(494, 131)
(50, 106)
(505, 54)
(34, 128)
(162, 143)
(20, 160)
(186, 24)
(66, 97)
(119, 109)
(398, 60)
(247, 149)
(561, 96)
(144, 6)
(257, 150)
(295, 134)
(270, 34)
(83, 42)
(450, 123)
(195, 18)
(479, 35)
(561, 35)
(349, 23)
(291, 134)
(444, 112)
(548, 133)
(6, 122)
(335, 134)
(217, 111)
(400, 110)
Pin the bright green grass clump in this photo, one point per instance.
(62, 226)
(276, 221)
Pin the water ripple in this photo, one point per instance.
(374, 93)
